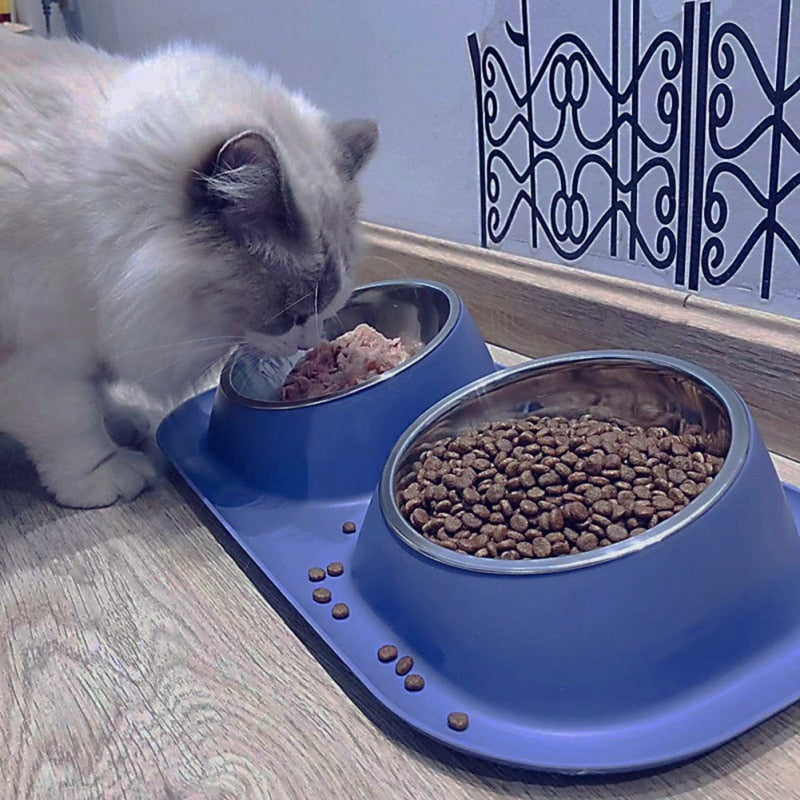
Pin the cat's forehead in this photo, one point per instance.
(198, 96)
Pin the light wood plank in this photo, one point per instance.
(540, 309)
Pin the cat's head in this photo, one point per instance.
(224, 208)
(285, 223)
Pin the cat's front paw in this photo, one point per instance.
(122, 476)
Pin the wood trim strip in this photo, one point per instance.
(788, 471)
(538, 309)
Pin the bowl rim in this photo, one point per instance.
(225, 384)
(734, 460)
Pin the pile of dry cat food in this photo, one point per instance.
(350, 359)
(540, 487)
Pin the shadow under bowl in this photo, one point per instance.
(337, 445)
(613, 631)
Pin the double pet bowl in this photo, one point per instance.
(656, 627)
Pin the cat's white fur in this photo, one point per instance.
(106, 274)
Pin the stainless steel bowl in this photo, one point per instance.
(420, 314)
(337, 445)
(632, 389)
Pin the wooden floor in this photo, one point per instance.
(140, 660)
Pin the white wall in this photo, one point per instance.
(406, 63)
(29, 12)
(351, 57)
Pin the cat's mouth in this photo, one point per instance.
(299, 337)
(300, 325)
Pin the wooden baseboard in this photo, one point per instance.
(15, 27)
(540, 309)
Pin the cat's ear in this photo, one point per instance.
(246, 188)
(356, 140)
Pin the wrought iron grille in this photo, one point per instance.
(647, 152)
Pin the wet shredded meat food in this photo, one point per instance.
(348, 360)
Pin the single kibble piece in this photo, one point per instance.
(321, 595)
(335, 569)
(340, 611)
(404, 665)
(316, 574)
(387, 653)
(349, 527)
(457, 720)
(414, 683)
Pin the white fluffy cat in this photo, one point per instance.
(154, 213)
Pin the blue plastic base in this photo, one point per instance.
(286, 537)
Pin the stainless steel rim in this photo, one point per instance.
(454, 310)
(734, 460)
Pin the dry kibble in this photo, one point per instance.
(404, 665)
(575, 511)
(387, 653)
(452, 524)
(457, 720)
(518, 523)
(414, 683)
(543, 487)
(506, 544)
(349, 527)
(340, 611)
(587, 541)
(602, 507)
(541, 547)
(471, 522)
(419, 516)
(525, 549)
(643, 509)
(316, 574)
(321, 595)
(616, 533)
(335, 569)
(591, 493)
(662, 503)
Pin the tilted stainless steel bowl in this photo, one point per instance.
(337, 445)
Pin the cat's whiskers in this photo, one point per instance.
(287, 307)
(207, 342)
(189, 354)
(316, 310)
(183, 343)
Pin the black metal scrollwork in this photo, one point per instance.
(672, 206)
